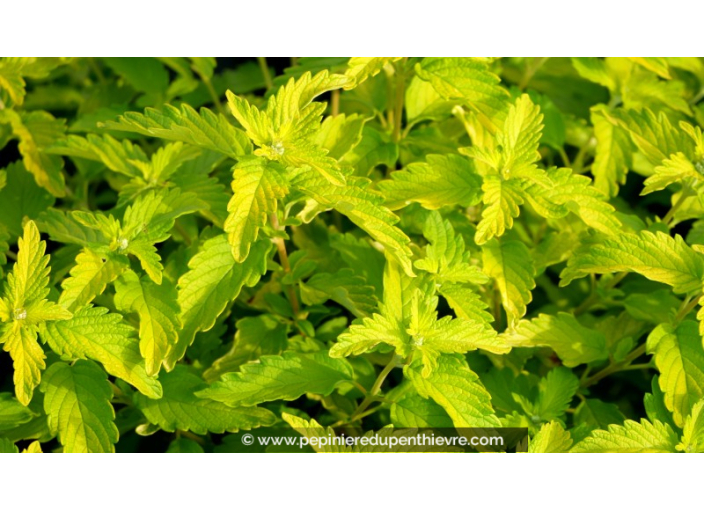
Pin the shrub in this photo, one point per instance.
(191, 251)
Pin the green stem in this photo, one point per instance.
(615, 367)
(335, 102)
(283, 258)
(265, 72)
(369, 399)
(530, 72)
(687, 307)
(594, 298)
(400, 93)
(213, 95)
(671, 213)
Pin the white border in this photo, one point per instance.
(309, 27)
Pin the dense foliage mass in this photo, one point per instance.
(190, 249)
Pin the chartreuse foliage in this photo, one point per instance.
(192, 248)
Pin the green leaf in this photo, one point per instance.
(439, 181)
(7, 446)
(446, 258)
(693, 436)
(572, 192)
(181, 409)
(344, 287)
(555, 393)
(509, 264)
(466, 302)
(362, 68)
(408, 322)
(414, 411)
(146, 74)
(363, 207)
(468, 81)
(214, 279)
(284, 130)
(656, 256)
(12, 412)
(257, 185)
(158, 315)
(121, 157)
(613, 154)
(679, 356)
(631, 437)
(35, 131)
(23, 308)
(597, 414)
(285, 377)
(457, 390)
(573, 343)
(551, 438)
(205, 129)
(89, 278)
(77, 404)
(256, 336)
(95, 334)
(654, 135)
(21, 197)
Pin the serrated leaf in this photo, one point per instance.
(679, 356)
(23, 309)
(119, 156)
(654, 135)
(285, 377)
(363, 207)
(158, 315)
(359, 69)
(12, 412)
(597, 414)
(693, 434)
(466, 303)
(344, 287)
(181, 409)
(95, 334)
(89, 278)
(468, 81)
(414, 411)
(27, 359)
(257, 185)
(205, 129)
(656, 256)
(631, 437)
(457, 390)
(64, 228)
(408, 322)
(256, 336)
(439, 181)
(502, 199)
(213, 280)
(36, 130)
(446, 259)
(613, 154)
(509, 264)
(77, 403)
(551, 438)
(572, 192)
(573, 343)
